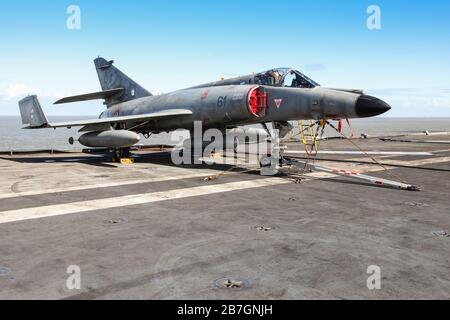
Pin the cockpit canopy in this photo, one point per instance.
(284, 77)
(279, 77)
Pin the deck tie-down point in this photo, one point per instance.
(264, 228)
(232, 283)
(4, 271)
(443, 234)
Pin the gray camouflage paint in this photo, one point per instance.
(222, 104)
(296, 104)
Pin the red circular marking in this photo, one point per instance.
(252, 101)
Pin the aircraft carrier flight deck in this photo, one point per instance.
(152, 230)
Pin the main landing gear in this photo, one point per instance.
(122, 155)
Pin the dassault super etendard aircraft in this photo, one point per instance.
(275, 96)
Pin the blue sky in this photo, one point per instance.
(168, 45)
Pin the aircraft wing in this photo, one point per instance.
(34, 117)
(134, 118)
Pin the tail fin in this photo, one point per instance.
(112, 78)
(31, 112)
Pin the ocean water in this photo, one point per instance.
(12, 137)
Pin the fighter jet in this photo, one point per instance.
(276, 96)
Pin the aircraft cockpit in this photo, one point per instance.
(279, 77)
(285, 77)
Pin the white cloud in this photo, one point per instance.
(17, 90)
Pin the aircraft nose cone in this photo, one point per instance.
(368, 106)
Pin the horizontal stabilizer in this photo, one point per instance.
(92, 96)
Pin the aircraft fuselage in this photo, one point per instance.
(233, 105)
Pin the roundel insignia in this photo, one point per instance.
(205, 94)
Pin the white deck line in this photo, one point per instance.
(131, 200)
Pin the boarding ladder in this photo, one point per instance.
(308, 136)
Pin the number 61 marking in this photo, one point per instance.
(221, 102)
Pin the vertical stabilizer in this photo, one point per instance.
(112, 78)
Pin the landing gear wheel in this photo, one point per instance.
(265, 161)
(121, 153)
